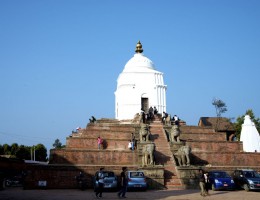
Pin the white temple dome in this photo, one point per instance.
(139, 63)
(139, 86)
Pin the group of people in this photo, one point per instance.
(204, 183)
(123, 183)
(150, 115)
(175, 118)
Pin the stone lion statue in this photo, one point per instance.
(183, 155)
(175, 134)
(137, 118)
(148, 154)
(144, 132)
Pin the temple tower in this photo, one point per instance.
(139, 86)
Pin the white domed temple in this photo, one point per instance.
(139, 86)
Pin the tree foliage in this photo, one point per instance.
(14, 148)
(220, 106)
(25, 152)
(240, 121)
(57, 144)
(7, 149)
(40, 152)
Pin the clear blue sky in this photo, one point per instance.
(60, 59)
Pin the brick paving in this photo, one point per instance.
(70, 194)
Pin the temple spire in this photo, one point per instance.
(138, 48)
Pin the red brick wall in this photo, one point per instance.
(97, 157)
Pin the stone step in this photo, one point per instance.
(98, 157)
(91, 143)
(163, 155)
(196, 129)
(225, 158)
(217, 146)
(203, 136)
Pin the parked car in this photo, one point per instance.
(247, 179)
(110, 180)
(13, 181)
(221, 180)
(136, 180)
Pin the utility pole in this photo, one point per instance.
(34, 153)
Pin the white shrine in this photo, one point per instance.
(139, 86)
(250, 136)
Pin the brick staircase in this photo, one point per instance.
(164, 156)
(210, 150)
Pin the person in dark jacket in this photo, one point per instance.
(202, 183)
(124, 182)
(100, 179)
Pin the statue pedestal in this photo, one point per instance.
(188, 176)
(154, 176)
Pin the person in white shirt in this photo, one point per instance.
(130, 145)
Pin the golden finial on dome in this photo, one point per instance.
(138, 48)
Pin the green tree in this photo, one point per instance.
(14, 148)
(7, 149)
(220, 107)
(1, 150)
(40, 153)
(240, 121)
(23, 152)
(57, 144)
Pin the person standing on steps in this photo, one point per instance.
(123, 177)
(165, 115)
(176, 120)
(130, 145)
(99, 141)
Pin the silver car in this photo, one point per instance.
(136, 180)
(110, 180)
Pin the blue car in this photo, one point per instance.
(136, 180)
(221, 180)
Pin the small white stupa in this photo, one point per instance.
(139, 86)
(250, 136)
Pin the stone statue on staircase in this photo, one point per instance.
(144, 133)
(148, 154)
(183, 155)
(175, 134)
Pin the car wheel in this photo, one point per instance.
(213, 187)
(246, 187)
(7, 183)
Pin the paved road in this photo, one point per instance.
(69, 194)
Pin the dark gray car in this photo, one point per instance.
(247, 179)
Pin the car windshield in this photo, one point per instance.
(136, 174)
(251, 174)
(108, 174)
(220, 175)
